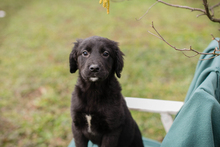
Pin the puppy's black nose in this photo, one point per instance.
(94, 68)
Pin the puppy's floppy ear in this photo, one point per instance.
(119, 63)
(73, 57)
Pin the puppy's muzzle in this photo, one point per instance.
(94, 68)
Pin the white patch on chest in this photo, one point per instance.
(89, 118)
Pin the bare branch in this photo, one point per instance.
(200, 15)
(210, 58)
(155, 35)
(186, 49)
(147, 11)
(211, 17)
(217, 49)
(204, 12)
(184, 7)
(214, 6)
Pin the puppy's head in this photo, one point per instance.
(96, 58)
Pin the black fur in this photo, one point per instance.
(98, 94)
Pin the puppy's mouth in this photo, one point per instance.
(93, 79)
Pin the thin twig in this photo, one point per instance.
(213, 7)
(205, 12)
(184, 7)
(216, 5)
(211, 17)
(200, 15)
(205, 3)
(210, 58)
(146, 11)
(217, 49)
(155, 35)
(185, 49)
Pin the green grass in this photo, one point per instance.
(35, 41)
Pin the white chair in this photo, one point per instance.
(166, 108)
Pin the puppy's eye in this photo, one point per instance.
(105, 53)
(85, 53)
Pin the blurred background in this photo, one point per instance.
(36, 38)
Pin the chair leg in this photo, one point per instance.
(167, 121)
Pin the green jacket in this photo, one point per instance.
(198, 122)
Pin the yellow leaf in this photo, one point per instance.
(106, 4)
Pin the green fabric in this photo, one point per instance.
(198, 122)
(147, 143)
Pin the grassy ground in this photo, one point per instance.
(35, 41)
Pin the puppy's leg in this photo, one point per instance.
(137, 142)
(111, 139)
(79, 138)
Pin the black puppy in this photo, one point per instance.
(98, 109)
